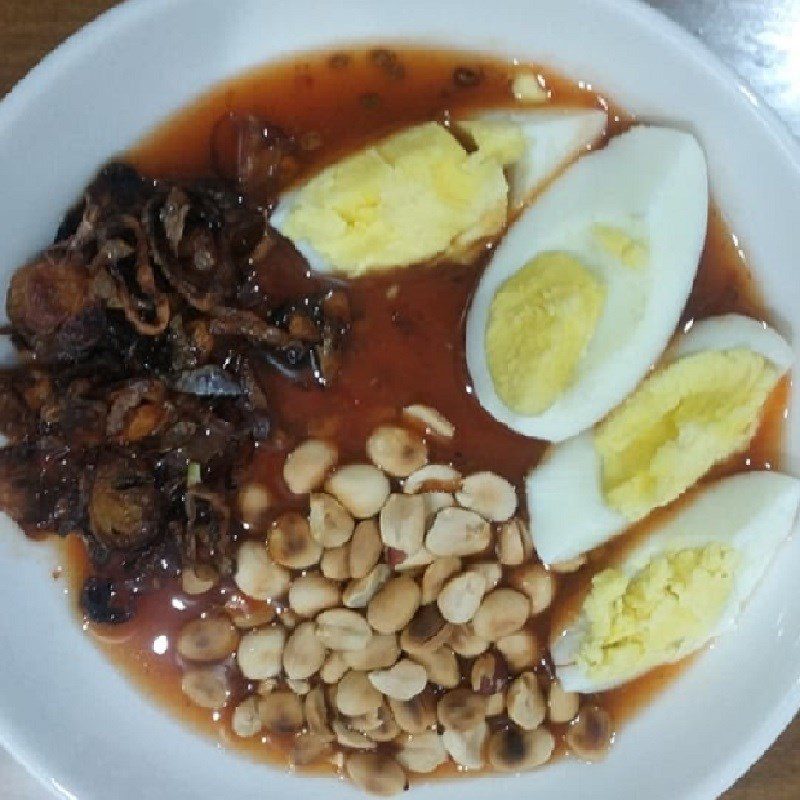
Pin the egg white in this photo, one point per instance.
(733, 332)
(568, 512)
(751, 512)
(552, 140)
(650, 182)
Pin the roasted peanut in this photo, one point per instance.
(365, 548)
(307, 465)
(257, 575)
(441, 665)
(402, 523)
(253, 501)
(466, 642)
(404, 680)
(342, 629)
(520, 649)
(512, 542)
(198, 579)
(417, 714)
(330, 522)
(210, 638)
(590, 734)
(501, 612)
(356, 695)
(311, 593)
(260, 652)
(246, 614)
(489, 674)
(308, 747)
(461, 709)
(428, 630)
(380, 652)
(537, 583)
(335, 666)
(394, 605)
(466, 747)
(436, 575)
(361, 488)
(357, 594)
(303, 654)
(460, 597)
(246, 720)
(288, 618)
(347, 737)
(422, 753)
(432, 478)
(377, 723)
(375, 773)
(513, 750)
(495, 704)
(335, 563)
(429, 421)
(434, 502)
(490, 571)
(316, 712)
(525, 702)
(281, 712)
(413, 564)
(298, 685)
(562, 706)
(396, 450)
(206, 687)
(291, 543)
(491, 496)
(458, 532)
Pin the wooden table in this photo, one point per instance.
(759, 38)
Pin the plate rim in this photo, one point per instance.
(113, 21)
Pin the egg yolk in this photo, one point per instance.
(681, 421)
(409, 198)
(621, 246)
(658, 614)
(497, 139)
(539, 324)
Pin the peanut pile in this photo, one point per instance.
(393, 628)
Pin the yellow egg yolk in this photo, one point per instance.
(682, 420)
(497, 139)
(621, 246)
(539, 324)
(409, 198)
(657, 615)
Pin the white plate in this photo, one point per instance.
(71, 718)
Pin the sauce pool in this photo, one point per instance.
(407, 340)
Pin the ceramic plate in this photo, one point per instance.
(75, 721)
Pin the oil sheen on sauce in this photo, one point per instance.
(407, 340)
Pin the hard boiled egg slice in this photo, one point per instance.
(682, 585)
(701, 405)
(420, 195)
(585, 290)
(553, 138)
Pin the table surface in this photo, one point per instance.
(760, 39)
